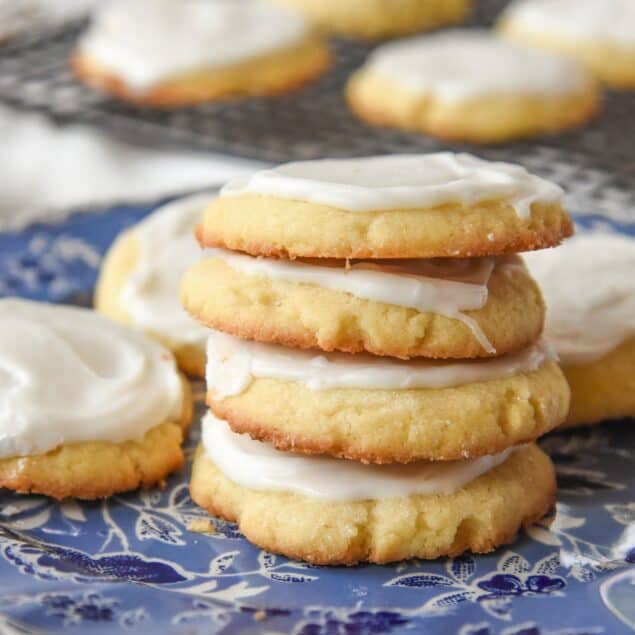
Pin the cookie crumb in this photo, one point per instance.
(259, 616)
(201, 526)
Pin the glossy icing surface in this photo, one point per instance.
(69, 375)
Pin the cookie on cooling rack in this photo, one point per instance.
(393, 206)
(444, 308)
(599, 34)
(343, 512)
(381, 410)
(589, 288)
(168, 54)
(471, 85)
(139, 280)
(379, 18)
(89, 407)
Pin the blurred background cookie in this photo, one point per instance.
(589, 287)
(601, 35)
(471, 85)
(168, 54)
(140, 277)
(379, 18)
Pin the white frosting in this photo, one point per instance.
(258, 466)
(166, 247)
(145, 42)
(232, 364)
(460, 65)
(589, 287)
(69, 375)
(609, 22)
(444, 286)
(399, 181)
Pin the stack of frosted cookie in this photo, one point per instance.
(376, 377)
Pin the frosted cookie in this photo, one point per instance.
(439, 308)
(88, 408)
(379, 18)
(166, 53)
(383, 410)
(139, 280)
(471, 85)
(343, 512)
(393, 206)
(589, 287)
(599, 34)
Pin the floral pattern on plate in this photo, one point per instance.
(131, 564)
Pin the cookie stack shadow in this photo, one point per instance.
(372, 409)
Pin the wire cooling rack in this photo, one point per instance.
(596, 164)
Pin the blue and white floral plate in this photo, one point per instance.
(130, 564)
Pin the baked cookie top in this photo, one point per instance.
(392, 206)
(71, 376)
(146, 42)
(461, 65)
(143, 271)
(606, 23)
(589, 287)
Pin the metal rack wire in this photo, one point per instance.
(596, 164)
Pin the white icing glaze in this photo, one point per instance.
(232, 363)
(444, 286)
(609, 22)
(145, 42)
(166, 247)
(459, 65)
(399, 181)
(69, 375)
(258, 466)
(589, 287)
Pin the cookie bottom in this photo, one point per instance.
(481, 120)
(479, 517)
(271, 74)
(400, 426)
(308, 316)
(613, 66)
(603, 389)
(379, 18)
(286, 228)
(117, 267)
(99, 469)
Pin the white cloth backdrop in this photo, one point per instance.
(47, 171)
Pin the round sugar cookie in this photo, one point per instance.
(139, 281)
(392, 513)
(589, 288)
(89, 408)
(600, 35)
(393, 206)
(603, 389)
(382, 410)
(169, 54)
(470, 85)
(379, 18)
(446, 308)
